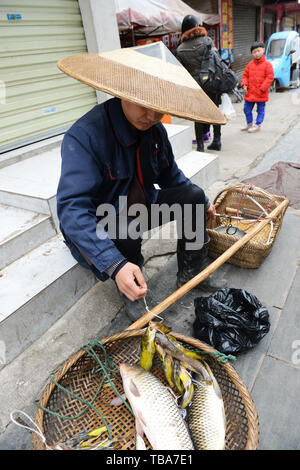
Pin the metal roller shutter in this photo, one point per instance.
(37, 100)
(244, 24)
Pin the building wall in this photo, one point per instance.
(245, 16)
(40, 101)
(286, 16)
(37, 100)
(100, 28)
(254, 3)
(205, 6)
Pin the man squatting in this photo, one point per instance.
(121, 149)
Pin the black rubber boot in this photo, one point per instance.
(191, 263)
(215, 145)
(199, 136)
(200, 145)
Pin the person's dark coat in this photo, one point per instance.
(190, 54)
(191, 49)
(99, 157)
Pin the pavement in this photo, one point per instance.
(271, 370)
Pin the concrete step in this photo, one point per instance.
(181, 138)
(21, 231)
(31, 183)
(29, 151)
(36, 290)
(202, 168)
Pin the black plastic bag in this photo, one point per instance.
(230, 320)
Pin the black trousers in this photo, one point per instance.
(202, 128)
(194, 219)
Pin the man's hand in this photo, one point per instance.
(211, 212)
(245, 89)
(131, 282)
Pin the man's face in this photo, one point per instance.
(258, 52)
(141, 118)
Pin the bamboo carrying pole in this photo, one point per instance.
(141, 322)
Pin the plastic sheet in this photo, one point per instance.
(281, 179)
(230, 320)
(226, 107)
(157, 17)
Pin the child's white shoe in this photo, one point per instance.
(247, 127)
(254, 128)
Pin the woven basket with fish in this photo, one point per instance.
(79, 397)
(77, 409)
(239, 208)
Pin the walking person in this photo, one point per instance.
(257, 78)
(193, 43)
(118, 156)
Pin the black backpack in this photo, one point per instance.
(215, 76)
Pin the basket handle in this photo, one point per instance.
(250, 187)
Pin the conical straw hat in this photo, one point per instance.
(148, 75)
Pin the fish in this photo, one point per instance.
(164, 329)
(87, 440)
(186, 380)
(160, 327)
(156, 413)
(187, 352)
(170, 348)
(176, 370)
(147, 348)
(168, 365)
(206, 416)
(107, 444)
(160, 352)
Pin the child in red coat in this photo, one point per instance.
(257, 78)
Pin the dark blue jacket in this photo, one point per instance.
(98, 162)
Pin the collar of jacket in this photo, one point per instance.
(259, 61)
(192, 33)
(119, 123)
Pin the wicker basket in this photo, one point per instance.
(78, 375)
(252, 254)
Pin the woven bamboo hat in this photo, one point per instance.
(147, 75)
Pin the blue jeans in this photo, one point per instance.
(260, 108)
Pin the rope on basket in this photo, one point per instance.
(264, 213)
(22, 424)
(107, 369)
(218, 356)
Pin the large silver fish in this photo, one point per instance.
(206, 415)
(156, 413)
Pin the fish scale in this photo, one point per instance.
(155, 410)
